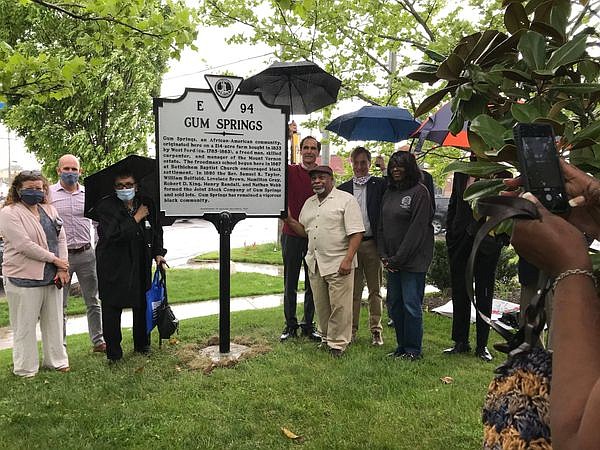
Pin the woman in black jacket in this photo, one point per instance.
(130, 236)
(405, 245)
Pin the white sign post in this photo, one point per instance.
(221, 156)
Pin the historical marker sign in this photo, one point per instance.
(219, 150)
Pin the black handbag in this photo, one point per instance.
(516, 409)
(167, 323)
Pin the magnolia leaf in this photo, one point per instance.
(556, 126)
(515, 18)
(577, 88)
(424, 73)
(524, 112)
(532, 5)
(489, 130)
(558, 107)
(517, 75)
(451, 68)
(484, 188)
(559, 15)
(477, 169)
(584, 143)
(433, 100)
(507, 153)
(544, 74)
(435, 56)
(589, 69)
(464, 91)
(569, 53)
(503, 50)
(485, 41)
(547, 30)
(532, 46)
(592, 132)
(458, 121)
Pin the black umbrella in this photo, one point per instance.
(303, 86)
(100, 185)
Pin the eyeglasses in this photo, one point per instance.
(28, 173)
(124, 185)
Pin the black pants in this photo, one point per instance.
(293, 250)
(484, 273)
(111, 325)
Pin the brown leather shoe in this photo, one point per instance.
(377, 338)
(64, 369)
(100, 348)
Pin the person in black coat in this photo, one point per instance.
(130, 236)
(368, 191)
(461, 229)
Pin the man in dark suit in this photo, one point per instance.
(461, 228)
(368, 191)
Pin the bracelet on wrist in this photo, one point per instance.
(568, 273)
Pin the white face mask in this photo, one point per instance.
(125, 194)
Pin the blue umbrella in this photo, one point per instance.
(375, 123)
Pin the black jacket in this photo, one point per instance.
(125, 251)
(375, 189)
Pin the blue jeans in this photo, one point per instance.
(405, 291)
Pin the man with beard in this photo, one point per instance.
(332, 222)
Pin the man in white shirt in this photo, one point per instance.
(332, 221)
(68, 197)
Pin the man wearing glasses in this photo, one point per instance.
(68, 197)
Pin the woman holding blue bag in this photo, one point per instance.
(130, 237)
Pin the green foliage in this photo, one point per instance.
(353, 39)
(541, 71)
(78, 78)
(439, 270)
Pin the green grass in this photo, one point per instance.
(364, 400)
(192, 285)
(258, 253)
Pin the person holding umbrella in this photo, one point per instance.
(130, 236)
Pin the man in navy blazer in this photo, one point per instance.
(368, 191)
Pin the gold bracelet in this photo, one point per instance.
(567, 273)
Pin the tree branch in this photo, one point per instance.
(409, 8)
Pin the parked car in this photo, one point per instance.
(441, 211)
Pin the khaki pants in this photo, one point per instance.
(369, 269)
(25, 305)
(333, 303)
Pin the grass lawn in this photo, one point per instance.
(361, 401)
(191, 285)
(258, 253)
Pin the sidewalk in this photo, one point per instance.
(78, 324)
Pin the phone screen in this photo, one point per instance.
(541, 160)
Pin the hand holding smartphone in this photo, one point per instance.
(540, 165)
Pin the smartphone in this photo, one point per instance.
(58, 282)
(540, 167)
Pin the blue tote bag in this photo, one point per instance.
(155, 296)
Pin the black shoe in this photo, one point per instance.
(484, 354)
(142, 350)
(288, 333)
(412, 356)
(396, 354)
(311, 334)
(459, 347)
(336, 352)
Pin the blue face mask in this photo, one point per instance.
(31, 196)
(69, 178)
(125, 194)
